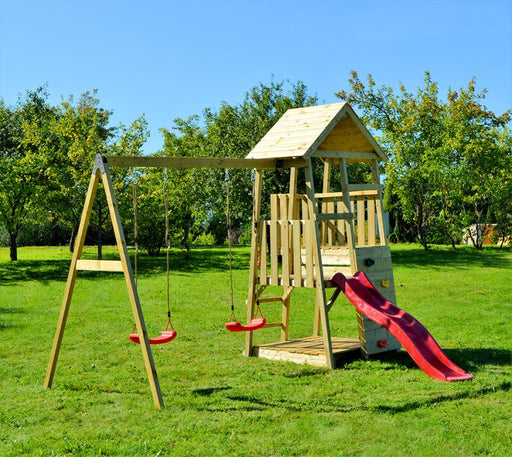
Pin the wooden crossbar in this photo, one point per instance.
(273, 324)
(359, 156)
(203, 162)
(100, 265)
(270, 299)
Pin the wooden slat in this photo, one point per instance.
(330, 224)
(360, 221)
(297, 263)
(274, 252)
(99, 265)
(285, 242)
(370, 208)
(353, 193)
(310, 232)
(305, 208)
(340, 234)
(263, 254)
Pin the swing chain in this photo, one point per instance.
(168, 250)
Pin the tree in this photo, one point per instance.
(83, 130)
(446, 158)
(23, 130)
(233, 131)
(411, 129)
(198, 197)
(477, 175)
(187, 197)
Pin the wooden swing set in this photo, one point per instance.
(307, 239)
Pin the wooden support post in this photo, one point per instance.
(350, 222)
(285, 240)
(100, 169)
(326, 184)
(293, 209)
(285, 316)
(293, 215)
(70, 284)
(253, 269)
(132, 289)
(378, 204)
(320, 301)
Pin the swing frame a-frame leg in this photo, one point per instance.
(101, 171)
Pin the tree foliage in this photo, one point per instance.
(47, 154)
(449, 168)
(24, 130)
(449, 162)
(232, 131)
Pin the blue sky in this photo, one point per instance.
(171, 59)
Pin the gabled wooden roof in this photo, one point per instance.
(332, 130)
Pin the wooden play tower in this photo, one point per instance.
(310, 237)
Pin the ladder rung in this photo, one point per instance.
(270, 299)
(99, 265)
(273, 324)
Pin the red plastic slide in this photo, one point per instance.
(413, 336)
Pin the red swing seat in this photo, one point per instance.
(164, 337)
(255, 324)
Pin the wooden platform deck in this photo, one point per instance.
(309, 350)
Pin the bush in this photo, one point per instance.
(205, 239)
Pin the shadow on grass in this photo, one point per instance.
(413, 405)
(253, 403)
(469, 359)
(209, 391)
(33, 270)
(199, 260)
(476, 359)
(460, 258)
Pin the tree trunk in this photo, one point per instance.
(422, 236)
(13, 247)
(72, 239)
(184, 241)
(53, 231)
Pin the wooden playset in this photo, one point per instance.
(307, 240)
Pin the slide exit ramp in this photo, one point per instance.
(411, 334)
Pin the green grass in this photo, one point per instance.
(220, 403)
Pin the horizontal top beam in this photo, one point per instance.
(351, 156)
(203, 162)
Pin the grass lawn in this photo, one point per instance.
(221, 403)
